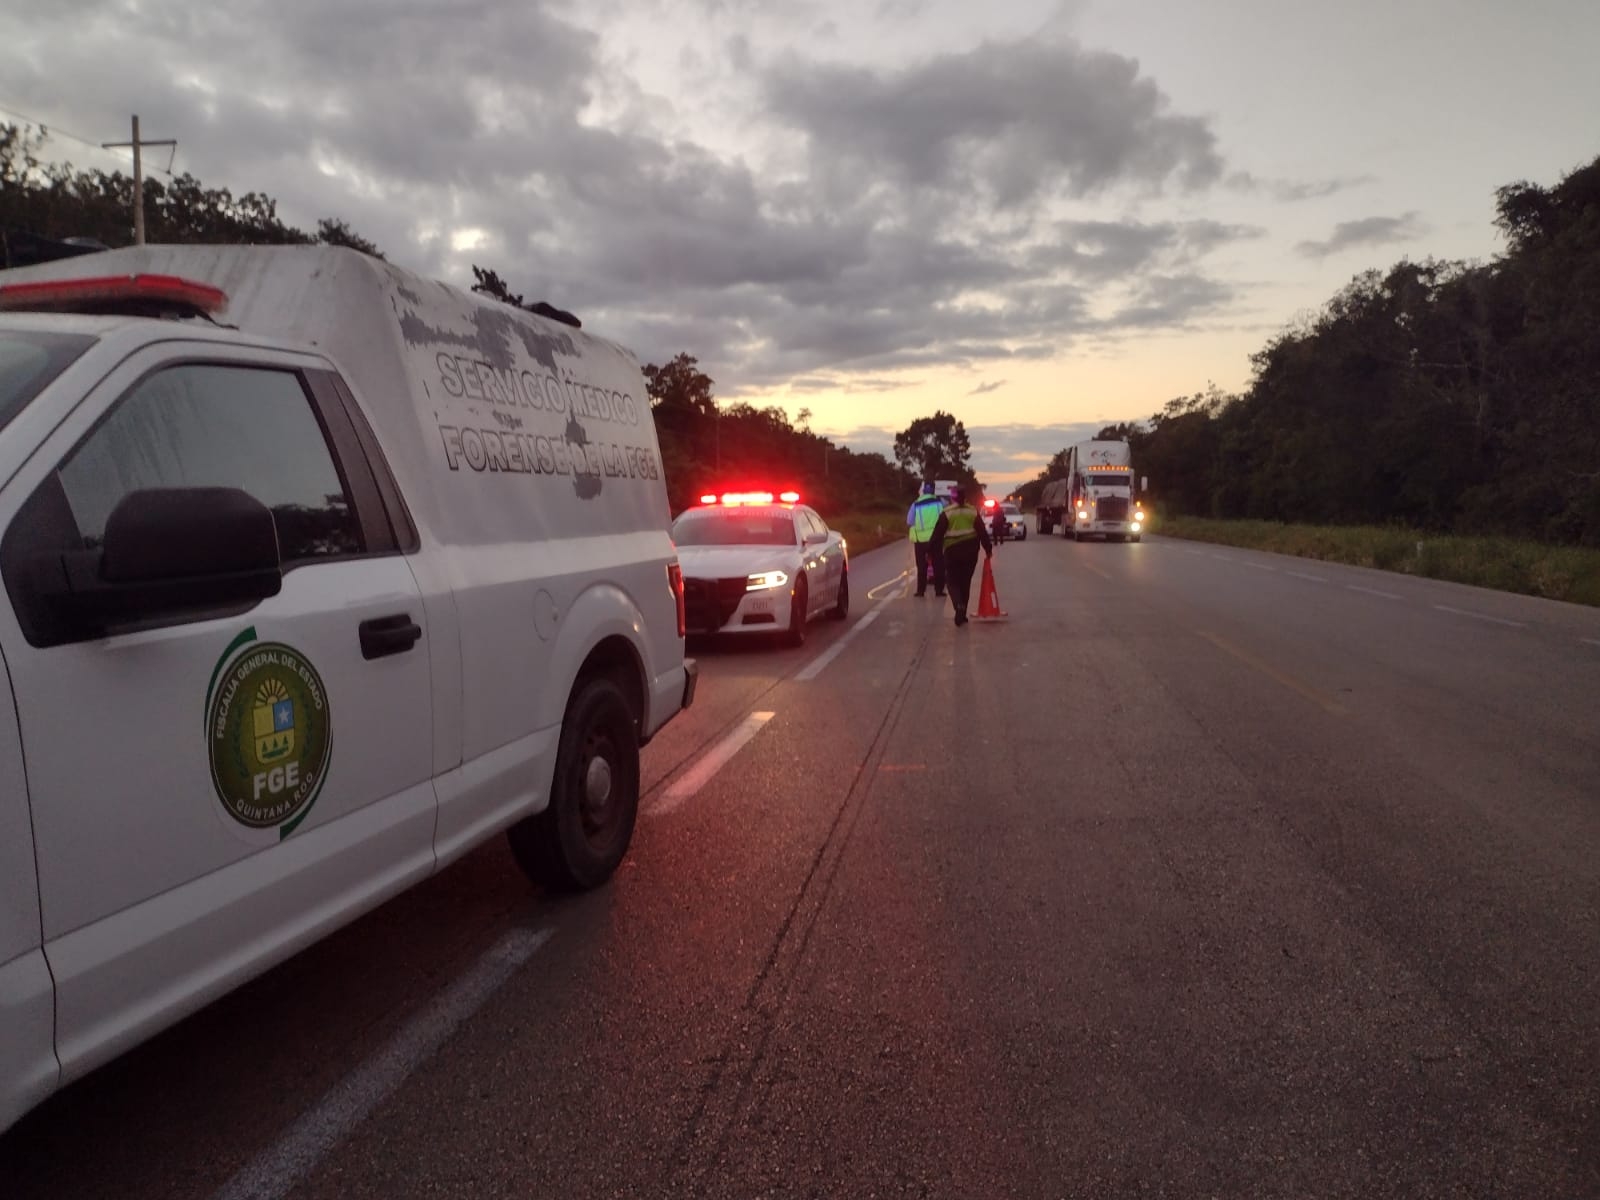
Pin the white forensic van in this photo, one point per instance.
(317, 574)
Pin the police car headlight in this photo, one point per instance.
(765, 580)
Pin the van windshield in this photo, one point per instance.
(735, 526)
(29, 360)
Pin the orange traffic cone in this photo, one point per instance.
(988, 598)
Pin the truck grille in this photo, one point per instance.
(1112, 508)
(708, 603)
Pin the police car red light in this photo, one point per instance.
(734, 499)
(89, 295)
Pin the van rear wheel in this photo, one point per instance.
(577, 842)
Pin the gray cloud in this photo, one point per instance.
(983, 389)
(1012, 119)
(872, 251)
(1291, 190)
(1368, 231)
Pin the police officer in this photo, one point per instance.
(956, 537)
(922, 516)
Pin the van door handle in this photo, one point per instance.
(389, 635)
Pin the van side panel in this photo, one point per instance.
(28, 1068)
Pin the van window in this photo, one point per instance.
(208, 425)
(29, 360)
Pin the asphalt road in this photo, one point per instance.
(1207, 873)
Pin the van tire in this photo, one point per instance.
(577, 842)
(841, 607)
(799, 610)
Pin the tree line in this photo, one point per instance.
(1446, 396)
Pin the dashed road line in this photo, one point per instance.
(712, 761)
(1476, 616)
(1260, 566)
(277, 1170)
(1305, 575)
(1591, 641)
(1374, 592)
(1223, 557)
(820, 663)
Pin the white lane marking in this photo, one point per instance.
(1591, 641)
(709, 763)
(278, 1169)
(1223, 557)
(883, 587)
(819, 664)
(1197, 553)
(1305, 575)
(1260, 566)
(1374, 592)
(1461, 612)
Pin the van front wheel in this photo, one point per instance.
(579, 839)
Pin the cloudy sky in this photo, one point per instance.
(1040, 216)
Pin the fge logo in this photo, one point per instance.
(269, 734)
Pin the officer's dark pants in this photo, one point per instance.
(960, 561)
(925, 555)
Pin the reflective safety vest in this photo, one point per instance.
(962, 520)
(924, 515)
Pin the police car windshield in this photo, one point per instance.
(29, 360)
(735, 525)
(1011, 510)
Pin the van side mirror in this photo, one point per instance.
(168, 551)
(816, 539)
(1144, 483)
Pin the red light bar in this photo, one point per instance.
(86, 295)
(736, 498)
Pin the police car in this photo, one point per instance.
(1016, 528)
(759, 562)
(317, 574)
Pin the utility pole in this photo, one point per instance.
(138, 175)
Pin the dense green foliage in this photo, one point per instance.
(1438, 395)
(709, 447)
(58, 200)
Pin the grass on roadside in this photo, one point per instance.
(868, 529)
(1569, 573)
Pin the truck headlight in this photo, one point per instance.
(765, 580)
(1082, 516)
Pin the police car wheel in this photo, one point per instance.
(799, 606)
(579, 839)
(841, 604)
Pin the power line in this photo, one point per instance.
(54, 130)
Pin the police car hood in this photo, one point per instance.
(724, 562)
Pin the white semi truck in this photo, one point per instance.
(1097, 497)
